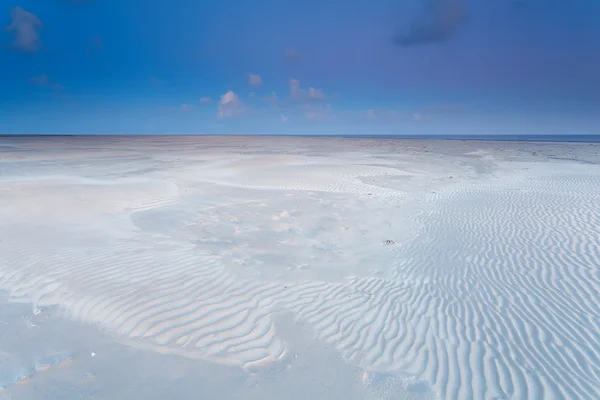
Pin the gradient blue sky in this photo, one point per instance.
(318, 66)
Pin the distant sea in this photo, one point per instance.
(586, 138)
(492, 138)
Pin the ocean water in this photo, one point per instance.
(589, 138)
(579, 138)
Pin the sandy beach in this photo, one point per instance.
(242, 267)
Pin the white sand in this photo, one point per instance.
(262, 263)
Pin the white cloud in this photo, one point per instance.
(230, 105)
(417, 116)
(284, 119)
(187, 107)
(24, 27)
(205, 100)
(297, 93)
(315, 94)
(229, 98)
(255, 80)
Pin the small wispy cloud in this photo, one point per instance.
(186, 107)
(380, 114)
(284, 118)
(44, 81)
(25, 29)
(315, 94)
(205, 100)
(230, 105)
(255, 80)
(438, 21)
(297, 93)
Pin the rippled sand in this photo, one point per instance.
(413, 269)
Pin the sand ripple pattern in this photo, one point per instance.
(497, 298)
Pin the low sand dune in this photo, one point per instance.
(479, 282)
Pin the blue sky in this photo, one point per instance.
(293, 67)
